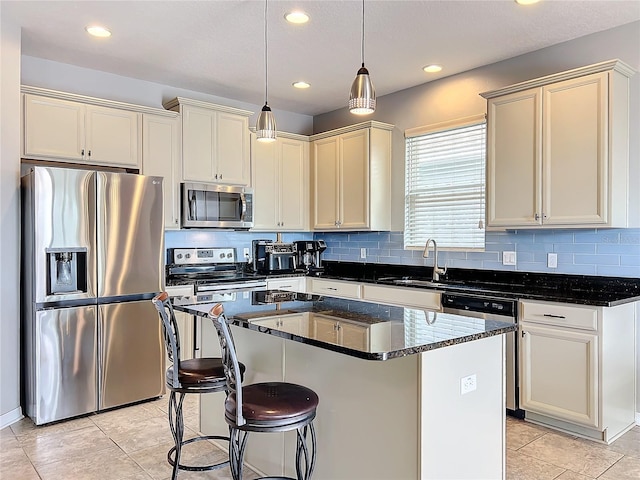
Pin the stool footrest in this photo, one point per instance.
(198, 468)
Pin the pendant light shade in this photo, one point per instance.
(266, 124)
(362, 98)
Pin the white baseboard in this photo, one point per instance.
(14, 415)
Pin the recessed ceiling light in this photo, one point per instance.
(432, 68)
(301, 84)
(296, 16)
(526, 2)
(98, 31)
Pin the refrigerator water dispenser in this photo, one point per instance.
(67, 271)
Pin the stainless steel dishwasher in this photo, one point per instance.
(493, 308)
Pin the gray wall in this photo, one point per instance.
(9, 219)
(458, 96)
(38, 72)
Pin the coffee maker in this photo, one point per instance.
(274, 257)
(309, 252)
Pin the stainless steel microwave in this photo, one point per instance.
(216, 206)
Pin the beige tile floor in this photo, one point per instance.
(131, 444)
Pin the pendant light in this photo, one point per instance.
(266, 124)
(362, 99)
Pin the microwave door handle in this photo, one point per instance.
(193, 207)
(243, 207)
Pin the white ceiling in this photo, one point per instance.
(217, 46)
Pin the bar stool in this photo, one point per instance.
(264, 407)
(197, 375)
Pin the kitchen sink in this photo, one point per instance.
(418, 283)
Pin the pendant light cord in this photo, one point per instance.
(266, 60)
(363, 33)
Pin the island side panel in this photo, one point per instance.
(367, 421)
(463, 436)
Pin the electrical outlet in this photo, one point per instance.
(508, 258)
(363, 253)
(552, 260)
(468, 384)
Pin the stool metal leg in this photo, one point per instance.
(176, 423)
(305, 460)
(237, 445)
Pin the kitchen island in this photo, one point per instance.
(404, 393)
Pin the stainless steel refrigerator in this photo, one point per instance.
(92, 258)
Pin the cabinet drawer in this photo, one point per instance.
(291, 284)
(570, 316)
(402, 296)
(335, 288)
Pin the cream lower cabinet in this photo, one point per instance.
(161, 157)
(351, 170)
(66, 130)
(334, 288)
(558, 150)
(291, 284)
(577, 367)
(215, 142)
(280, 180)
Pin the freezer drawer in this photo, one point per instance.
(132, 353)
(63, 380)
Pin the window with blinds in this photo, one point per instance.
(445, 185)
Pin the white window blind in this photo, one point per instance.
(445, 185)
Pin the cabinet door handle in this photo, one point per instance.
(553, 316)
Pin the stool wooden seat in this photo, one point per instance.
(264, 407)
(196, 375)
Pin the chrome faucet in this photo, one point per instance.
(436, 271)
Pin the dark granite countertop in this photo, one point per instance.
(392, 331)
(578, 289)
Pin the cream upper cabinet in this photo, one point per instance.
(558, 151)
(66, 130)
(215, 142)
(351, 171)
(280, 180)
(577, 367)
(161, 157)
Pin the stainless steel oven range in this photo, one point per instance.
(209, 269)
(493, 308)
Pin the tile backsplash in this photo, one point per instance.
(606, 252)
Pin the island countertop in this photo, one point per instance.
(359, 329)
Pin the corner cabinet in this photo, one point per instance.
(215, 142)
(280, 180)
(577, 367)
(558, 150)
(57, 127)
(351, 170)
(161, 157)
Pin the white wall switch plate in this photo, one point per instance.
(363, 253)
(508, 258)
(552, 260)
(468, 384)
